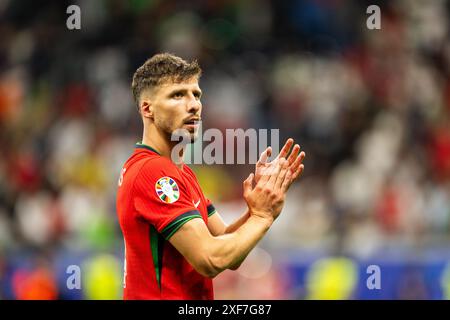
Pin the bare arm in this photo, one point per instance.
(209, 254)
(218, 227)
(225, 247)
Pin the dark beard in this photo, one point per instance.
(177, 135)
(183, 136)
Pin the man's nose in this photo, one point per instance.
(194, 104)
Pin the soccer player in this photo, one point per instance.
(175, 240)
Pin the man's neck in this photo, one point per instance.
(158, 141)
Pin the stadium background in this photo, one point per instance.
(370, 107)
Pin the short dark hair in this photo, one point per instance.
(160, 68)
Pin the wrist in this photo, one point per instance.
(262, 217)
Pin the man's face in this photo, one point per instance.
(177, 106)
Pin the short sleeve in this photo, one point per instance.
(210, 208)
(162, 198)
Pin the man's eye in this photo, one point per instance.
(178, 95)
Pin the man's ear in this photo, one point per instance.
(146, 108)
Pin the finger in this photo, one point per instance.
(282, 175)
(298, 169)
(294, 154)
(294, 166)
(295, 170)
(287, 181)
(298, 172)
(247, 184)
(285, 150)
(265, 174)
(274, 172)
(298, 161)
(266, 154)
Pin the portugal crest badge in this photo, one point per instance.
(167, 190)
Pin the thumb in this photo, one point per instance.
(266, 154)
(248, 183)
(269, 151)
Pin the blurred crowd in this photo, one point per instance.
(371, 108)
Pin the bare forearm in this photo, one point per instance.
(229, 250)
(238, 223)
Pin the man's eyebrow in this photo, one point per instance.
(177, 90)
(184, 90)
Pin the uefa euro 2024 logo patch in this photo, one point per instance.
(167, 190)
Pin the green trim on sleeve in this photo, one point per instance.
(211, 210)
(176, 224)
(211, 213)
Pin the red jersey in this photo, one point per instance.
(154, 199)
